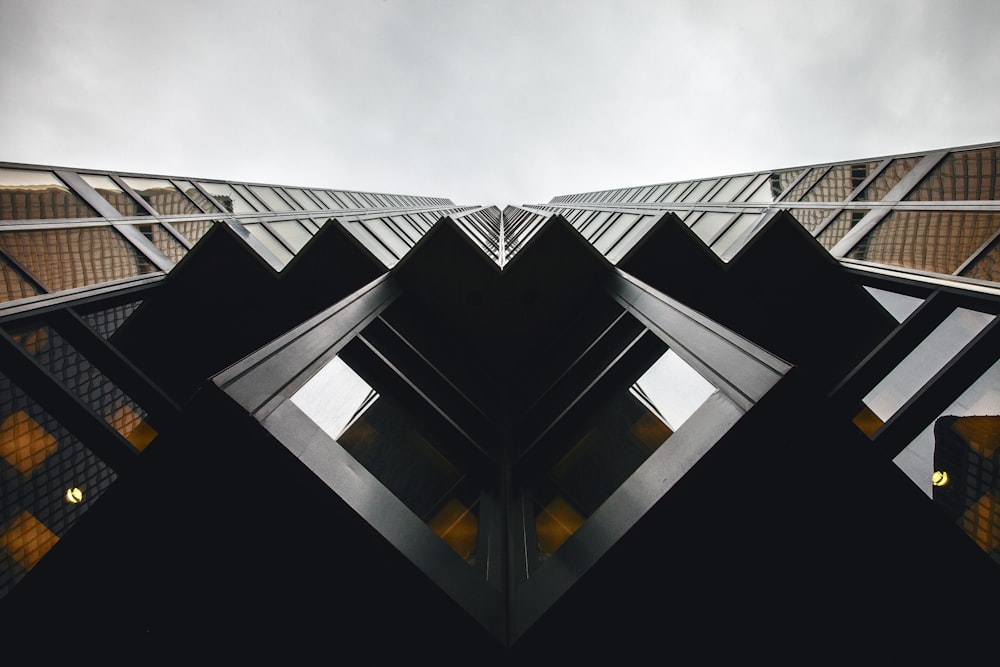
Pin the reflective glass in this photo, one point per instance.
(887, 180)
(324, 197)
(939, 241)
(303, 199)
(611, 442)
(292, 233)
(923, 362)
(107, 320)
(193, 230)
(811, 218)
(631, 237)
(387, 235)
(839, 226)
(839, 182)
(13, 285)
(75, 257)
(955, 461)
(676, 192)
(372, 242)
(728, 244)
(711, 223)
(966, 175)
(227, 198)
(986, 267)
(401, 450)
(204, 203)
(698, 192)
(107, 188)
(271, 199)
(271, 243)
(162, 196)
(732, 188)
(614, 231)
(594, 223)
(164, 240)
(38, 195)
(42, 462)
(800, 189)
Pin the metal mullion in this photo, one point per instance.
(84, 191)
(982, 251)
(67, 408)
(139, 199)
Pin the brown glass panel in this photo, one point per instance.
(986, 267)
(967, 175)
(13, 285)
(796, 193)
(193, 230)
(887, 180)
(38, 195)
(938, 241)
(114, 195)
(839, 182)
(107, 320)
(811, 218)
(162, 196)
(840, 225)
(74, 257)
(164, 240)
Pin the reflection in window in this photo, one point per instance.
(38, 195)
(966, 175)
(810, 218)
(40, 460)
(114, 195)
(962, 446)
(193, 230)
(919, 366)
(840, 182)
(610, 443)
(768, 187)
(736, 235)
(845, 221)
(399, 449)
(13, 285)
(162, 196)
(227, 198)
(939, 241)
(75, 257)
(887, 180)
(164, 240)
(203, 202)
(986, 267)
(796, 193)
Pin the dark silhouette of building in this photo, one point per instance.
(752, 415)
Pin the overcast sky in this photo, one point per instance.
(490, 101)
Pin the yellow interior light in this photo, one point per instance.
(939, 478)
(74, 495)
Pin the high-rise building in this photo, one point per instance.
(757, 412)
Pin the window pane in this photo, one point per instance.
(302, 199)
(38, 195)
(390, 238)
(938, 241)
(292, 233)
(843, 223)
(887, 180)
(986, 267)
(698, 191)
(206, 204)
(727, 245)
(840, 182)
(900, 306)
(114, 195)
(732, 187)
(75, 257)
(615, 231)
(227, 198)
(193, 230)
(710, 224)
(164, 240)
(13, 285)
(162, 196)
(796, 193)
(271, 243)
(926, 359)
(270, 198)
(967, 175)
(811, 218)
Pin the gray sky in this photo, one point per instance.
(490, 101)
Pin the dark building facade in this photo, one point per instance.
(757, 413)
